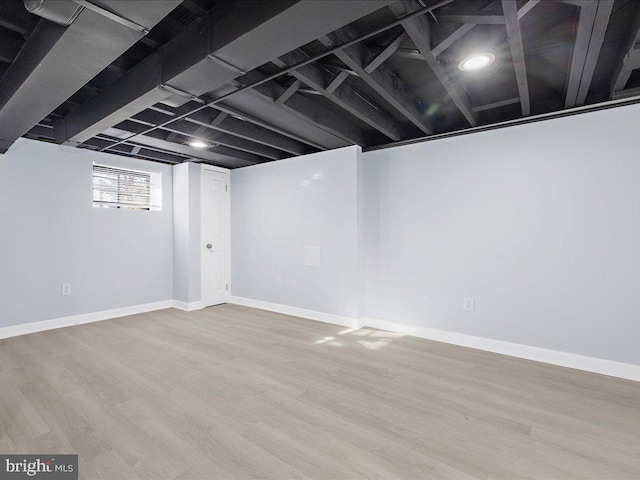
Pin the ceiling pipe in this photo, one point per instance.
(56, 60)
(63, 13)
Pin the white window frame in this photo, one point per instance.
(155, 190)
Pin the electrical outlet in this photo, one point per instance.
(66, 289)
(469, 304)
(279, 282)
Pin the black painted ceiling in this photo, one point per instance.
(206, 71)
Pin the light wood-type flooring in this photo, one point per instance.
(237, 393)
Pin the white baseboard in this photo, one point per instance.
(33, 327)
(553, 357)
(187, 307)
(297, 312)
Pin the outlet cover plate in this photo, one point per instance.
(469, 304)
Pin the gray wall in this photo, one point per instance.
(540, 223)
(186, 231)
(278, 208)
(50, 234)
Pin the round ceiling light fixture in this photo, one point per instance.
(198, 144)
(476, 62)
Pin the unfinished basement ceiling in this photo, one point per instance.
(258, 81)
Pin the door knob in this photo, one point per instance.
(209, 246)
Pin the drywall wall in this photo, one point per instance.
(279, 208)
(186, 241)
(539, 223)
(50, 234)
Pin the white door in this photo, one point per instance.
(215, 236)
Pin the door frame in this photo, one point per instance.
(227, 225)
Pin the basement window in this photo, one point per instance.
(127, 189)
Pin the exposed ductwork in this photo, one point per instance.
(63, 13)
(58, 60)
(226, 43)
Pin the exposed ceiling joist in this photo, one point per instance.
(228, 41)
(476, 19)
(264, 106)
(56, 62)
(337, 81)
(15, 18)
(317, 77)
(383, 81)
(517, 53)
(453, 38)
(386, 52)
(124, 133)
(630, 92)
(193, 7)
(9, 48)
(629, 58)
(526, 8)
(418, 30)
(300, 117)
(466, 28)
(293, 88)
(137, 151)
(246, 130)
(501, 103)
(592, 26)
(222, 155)
(216, 137)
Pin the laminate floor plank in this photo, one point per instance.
(231, 392)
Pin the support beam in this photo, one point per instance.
(57, 61)
(293, 88)
(592, 26)
(629, 58)
(317, 77)
(386, 52)
(628, 93)
(464, 29)
(478, 19)
(337, 81)
(16, 18)
(9, 48)
(267, 125)
(220, 117)
(418, 30)
(300, 118)
(194, 7)
(526, 8)
(216, 137)
(223, 155)
(155, 155)
(383, 81)
(517, 53)
(229, 40)
(311, 112)
(247, 130)
(491, 106)
(451, 39)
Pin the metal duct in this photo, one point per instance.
(62, 12)
(57, 61)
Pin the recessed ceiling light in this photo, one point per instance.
(198, 144)
(476, 62)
